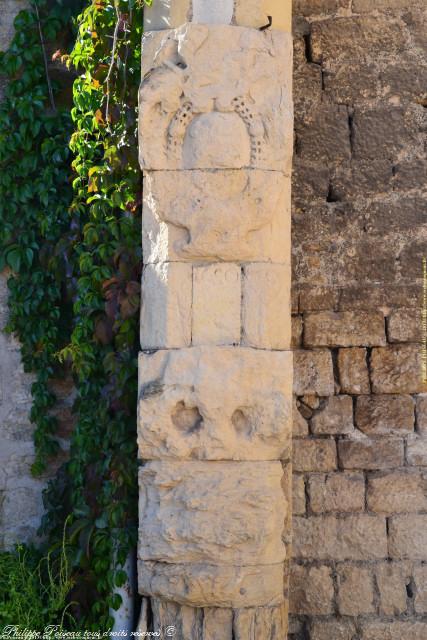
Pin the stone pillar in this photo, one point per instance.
(215, 387)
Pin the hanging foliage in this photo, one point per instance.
(70, 234)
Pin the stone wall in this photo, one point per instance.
(359, 235)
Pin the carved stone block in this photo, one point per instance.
(222, 513)
(216, 304)
(166, 306)
(204, 585)
(217, 97)
(222, 215)
(167, 14)
(266, 313)
(215, 403)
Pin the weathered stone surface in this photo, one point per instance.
(395, 630)
(217, 295)
(420, 579)
(385, 414)
(201, 585)
(266, 306)
(260, 622)
(408, 536)
(355, 537)
(332, 630)
(192, 116)
(344, 329)
(166, 14)
(397, 369)
(397, 492)
(296, 327)
(416, 452)
(166, 306)
(177, 526)
(298, 495)
(299, 424)
(314, 455)
(370, 454)
(224, 215)
(339, 492)
(421, 413)
(311, 591)
(404, 325)
(200, 403)
(355, 39)
(335, 417)
(313, 373)
(355, 591)
(392, 579)
(353, 371)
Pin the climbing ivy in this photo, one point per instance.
(35, 193)
(70, 199)
(102, 490)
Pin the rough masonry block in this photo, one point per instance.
(202, 585)
(166, 306)
(355, 537)
(266, 306)
(339, 492)
(335, 417)
(213, 216)
(217, 296)
(397, 369)
(311, 590)
(221, 513)
(353, 371)
(355, 591)
(215, 403)
(216, 97)
(385, 414)
(408, 536)
(314, 373)
(397, 492)
(344, 329)
(371, 454)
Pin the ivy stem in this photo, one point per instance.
(46, 66)
(110, 70)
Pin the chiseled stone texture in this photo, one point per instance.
(166, 14)
(344, 329)
(201, 585)
(166, 305)
(200, 403)
(355, 591)
(385, 414)
(353, 370)
(231, 215)
(397, 369)
(266, 306)
(371, 454)
(311, 590)
(336, 416)
(408, 536)
(194, 116)
(217, 294)
(397, 492)
(337, 492)
(241, 525)
(313, 373)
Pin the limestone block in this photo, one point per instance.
(223, 215)
(314, 373)
(266, 306)
(201, 585)
(222, 513)
(166, 306)
(217, 97)
(215, 403)
(216, 304)
(166, 14)
(254, 13)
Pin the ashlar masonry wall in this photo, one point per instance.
(359, 236)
